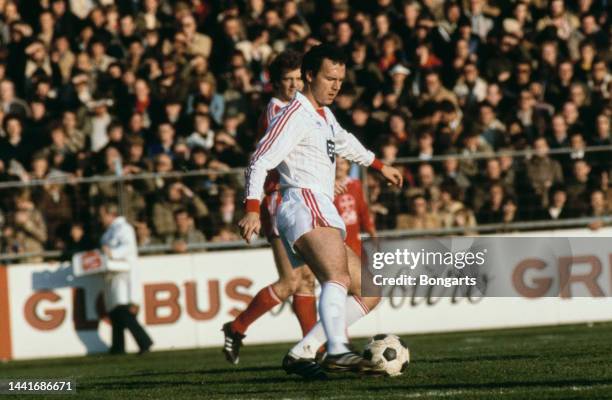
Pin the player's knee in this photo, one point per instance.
(342, 278)
(307, 283)
(290, 284)
(282, 289)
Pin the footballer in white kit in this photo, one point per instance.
(298, 283)
(302, 144)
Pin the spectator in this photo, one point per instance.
(558, 208)
(10, 103)
(419, 217)
(228, 213)
(197, 43)
(15, 146)
(542, 171)
(28, 232)
(492, 211)
(578, 187)
(383, 203)
(480, 189)
(171, 87)
(598, 208)
(449, 204)
(202, 136)
(226, 233)
(451, 173)
(435, 91)
(470, 88)
(473, 144)
(491, 129)
(56, 206)
(177, 195)
(144, 236)
(76, 241)
(165, 141)
(186, 233)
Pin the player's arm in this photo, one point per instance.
(280, 139)
(349, 147)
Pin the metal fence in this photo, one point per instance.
(119, 187)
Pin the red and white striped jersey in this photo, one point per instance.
(302, 144)
(272, 183)
(273, 108)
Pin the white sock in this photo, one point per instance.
(332, 309)
(308, 346)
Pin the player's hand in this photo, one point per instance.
(339, 188)
(392, 175)
(250, 226)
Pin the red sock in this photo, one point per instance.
(305, 308)
(263, 302)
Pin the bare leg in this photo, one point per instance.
(324, 251)
(356, 308)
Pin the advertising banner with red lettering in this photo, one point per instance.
(46, 311)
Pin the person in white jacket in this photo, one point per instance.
(120, 293)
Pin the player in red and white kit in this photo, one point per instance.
(352, 207)
(302, 144)
(299, 283)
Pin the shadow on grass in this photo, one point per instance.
(215, 386)
(201, 371)
(478, 359)
(495, 385)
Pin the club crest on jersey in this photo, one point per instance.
(331, 150)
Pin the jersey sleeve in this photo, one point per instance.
(347, 146)
(280, 139)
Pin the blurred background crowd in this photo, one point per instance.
(497, 111)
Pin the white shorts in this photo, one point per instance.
(301, 211)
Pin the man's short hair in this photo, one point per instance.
(313, 59)
(288, 60)
(110, 208)
(181, 210)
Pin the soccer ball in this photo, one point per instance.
(390, 351)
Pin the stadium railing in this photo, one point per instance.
(410, 163)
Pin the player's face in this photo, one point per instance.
(326, 84)
(290, 83)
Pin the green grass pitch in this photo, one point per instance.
(563, 362)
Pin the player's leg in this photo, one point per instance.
(304, 300)
(324, 251)
(266, 299)
(356, 308)
(354, 266)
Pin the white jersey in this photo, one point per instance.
(302, 146)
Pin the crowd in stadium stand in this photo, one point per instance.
(96, 87)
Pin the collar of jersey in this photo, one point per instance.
(308, 106)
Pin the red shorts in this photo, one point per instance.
(269, 208)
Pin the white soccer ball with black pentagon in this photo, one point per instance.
(390, 351)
